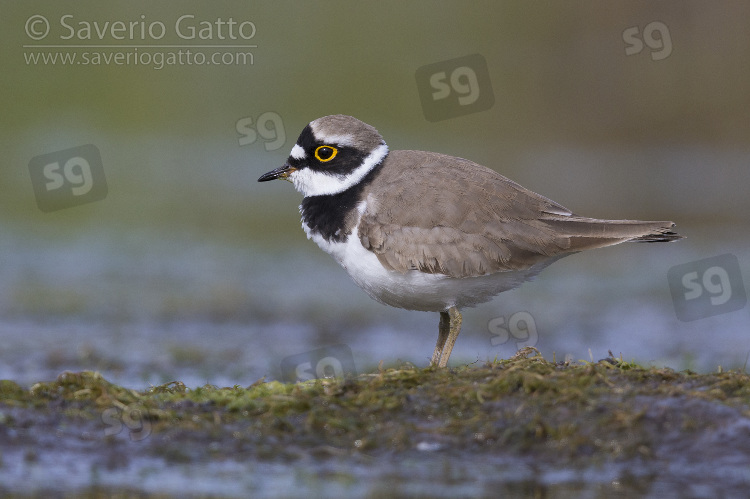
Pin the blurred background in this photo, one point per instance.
(184, 267)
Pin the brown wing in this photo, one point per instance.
(451, 216)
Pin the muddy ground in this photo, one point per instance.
(524, 426)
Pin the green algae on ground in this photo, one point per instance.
(581, 413)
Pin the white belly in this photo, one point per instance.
(415, 290)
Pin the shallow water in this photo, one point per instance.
(204, 312)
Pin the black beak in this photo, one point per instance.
(280, 172)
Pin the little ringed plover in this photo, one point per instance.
(425, 231)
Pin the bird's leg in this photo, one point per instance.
(454, 317)
(443, 330)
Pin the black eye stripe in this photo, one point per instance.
(347, 158)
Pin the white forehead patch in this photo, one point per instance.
(340, 139)
(317, 183)
(337, 139)
(297, 152)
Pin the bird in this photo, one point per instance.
(425, 231)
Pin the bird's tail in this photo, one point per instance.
(587, 233)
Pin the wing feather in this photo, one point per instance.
(418, 218)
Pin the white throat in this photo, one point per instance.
(316, 183)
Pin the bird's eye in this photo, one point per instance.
(325, 153)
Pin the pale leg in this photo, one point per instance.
(443, 331)
(455, 328)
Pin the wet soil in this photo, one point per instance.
(525, 426)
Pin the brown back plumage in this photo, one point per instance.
(451, 216)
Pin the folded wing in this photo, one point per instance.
(448, 216)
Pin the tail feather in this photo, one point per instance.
(588, 233)
(661, 235)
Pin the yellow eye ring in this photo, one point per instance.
(325, 154)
